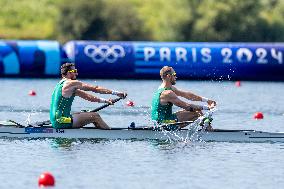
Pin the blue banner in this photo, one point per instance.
(252, 61)
(255, 61)
(30, 58)
(118, 59)
(101, 59)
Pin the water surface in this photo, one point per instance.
(145, 164)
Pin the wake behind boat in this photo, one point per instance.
(12, 129)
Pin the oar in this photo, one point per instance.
(162, 126)
(167, 126)
(103, 106)
(176, 123)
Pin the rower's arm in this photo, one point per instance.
(193, 97)
(85, 87)
(90, 97)
(170, 96)
(75, 85)
(103, 90)
(72, 86)
(186, 94)
(97, 89)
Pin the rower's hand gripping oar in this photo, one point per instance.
(206, 119)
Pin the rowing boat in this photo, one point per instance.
(13, 130)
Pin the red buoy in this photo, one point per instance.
(130, 103)
(46, 179)
(32, 93)
(238, 83)
(258, 115)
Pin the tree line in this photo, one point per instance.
(149, 20)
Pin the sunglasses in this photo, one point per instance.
(173, 74)
(73, 71)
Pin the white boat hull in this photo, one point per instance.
(141, 134)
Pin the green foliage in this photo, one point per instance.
(163, 19)
(100, 20)
(227, 20)
(158, 20)
(273, 15)
(230, 20)
(121, 22)
(28, 19)
(77, 18)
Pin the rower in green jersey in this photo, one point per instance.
(167, 95)
(64, 94)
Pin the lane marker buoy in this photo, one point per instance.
(46, 179)
(237, 83)
(130, 103)
(258, 115)
(32, 93)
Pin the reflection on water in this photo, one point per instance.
(69, 143)
(63, 143)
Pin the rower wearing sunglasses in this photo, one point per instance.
(167, 95)
(64, 94)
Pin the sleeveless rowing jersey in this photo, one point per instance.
(162, 113)
(60, 108)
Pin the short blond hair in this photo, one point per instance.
(165, 70)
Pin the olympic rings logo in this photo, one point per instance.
(103, 53)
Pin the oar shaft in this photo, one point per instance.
(176, 123)
(106, 105)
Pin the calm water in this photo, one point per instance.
(146, 164)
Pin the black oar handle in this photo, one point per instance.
(106, 105)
